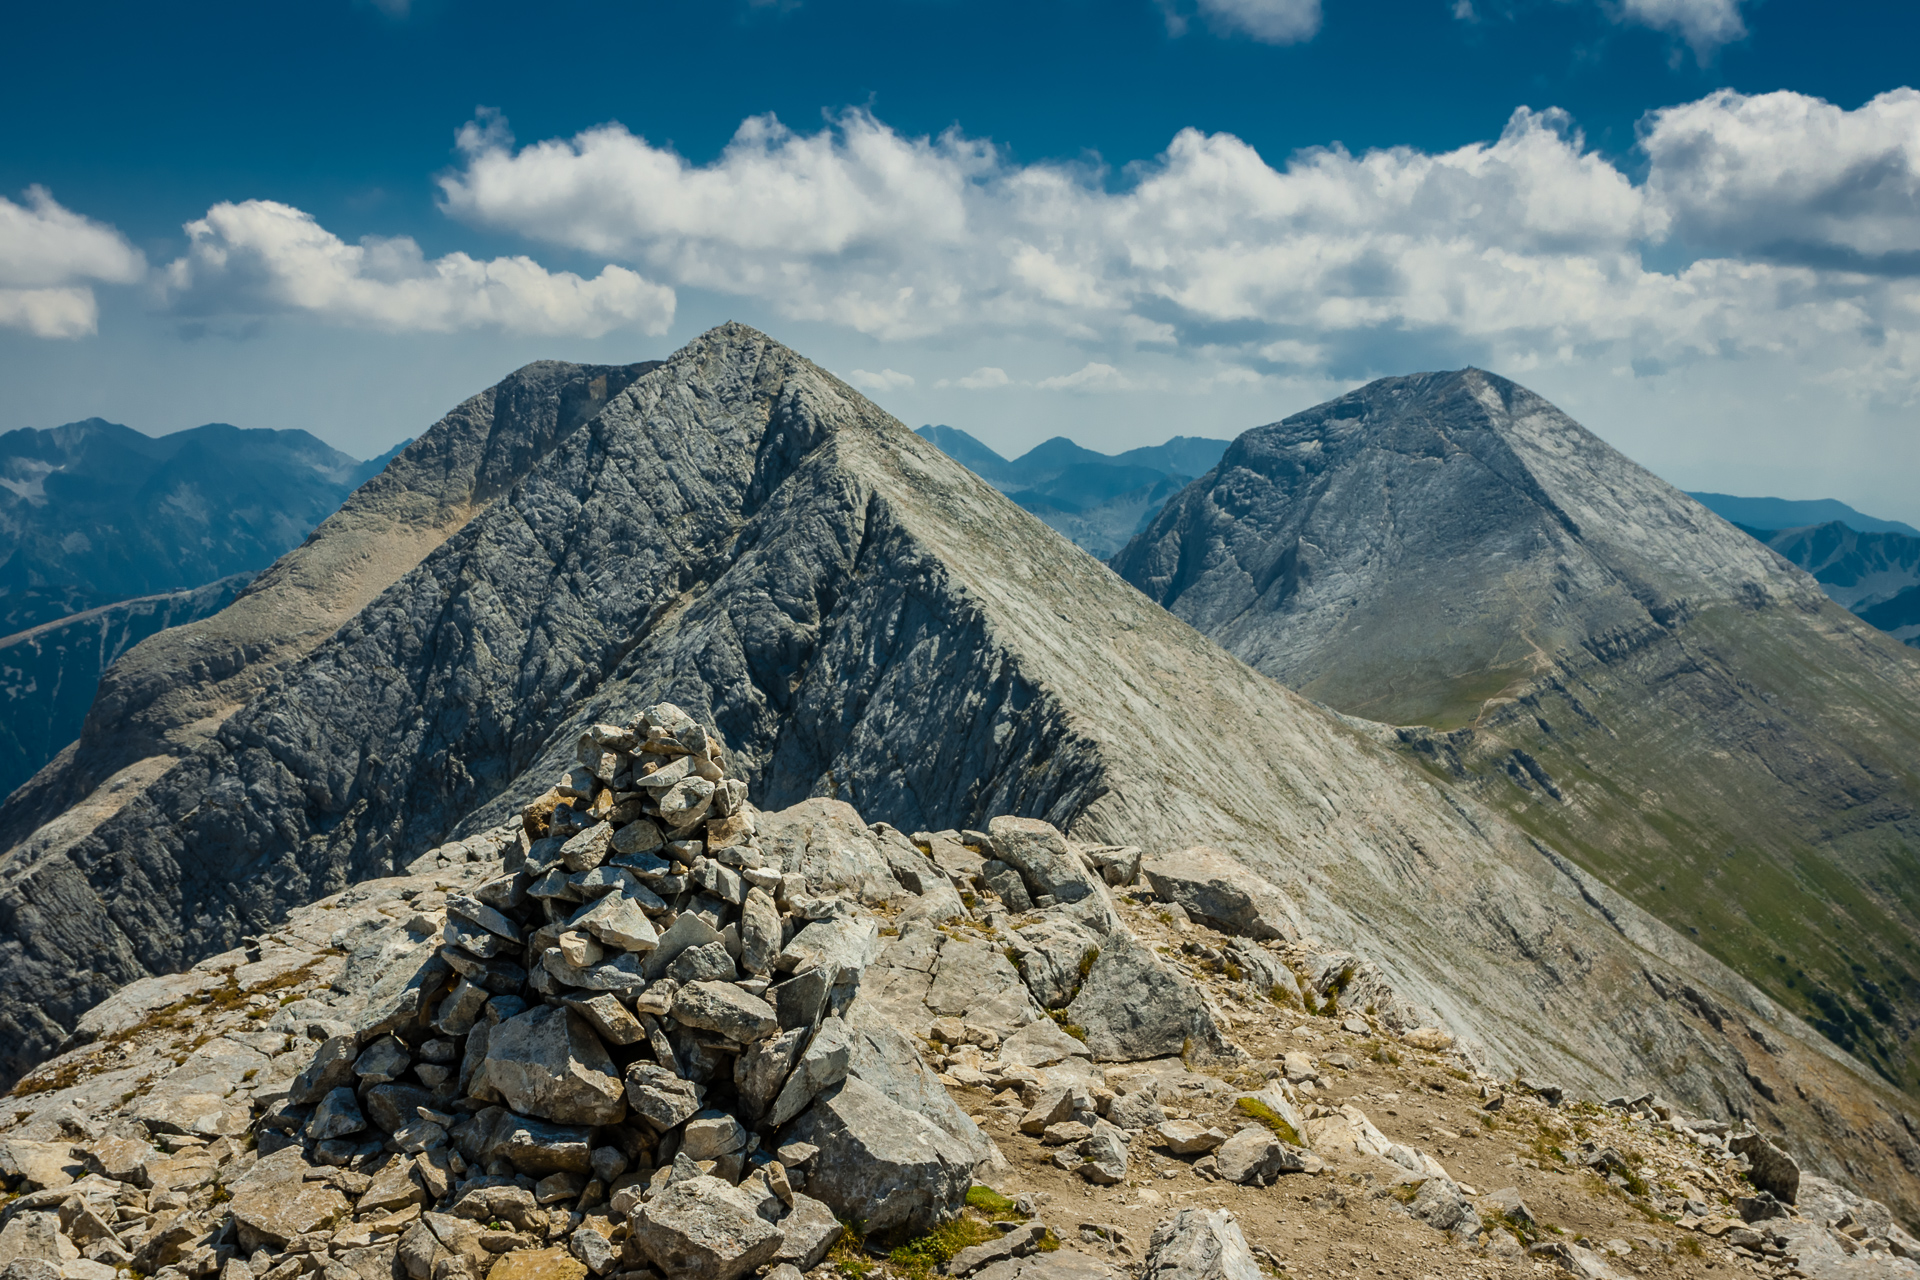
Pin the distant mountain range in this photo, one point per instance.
(1792, 513)
(1097, 500)
(108, 535)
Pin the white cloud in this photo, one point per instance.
(1522, 251)
(48, 256)
(1090, 377)
(985, 378)
(885, 380)
(1704, 24)
(260, 258)
(1268, 21)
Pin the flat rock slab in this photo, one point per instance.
(704, 1229)
(274, 1203)
(1199, 1244)
(878, 1164)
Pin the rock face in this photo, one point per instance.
(1214, 888)
(1632, 677)
(158, 708)
(836, 599)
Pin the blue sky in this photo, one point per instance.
(1693, 223)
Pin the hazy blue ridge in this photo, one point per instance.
(1795, 513)
(1096, 500)
(1875, 574)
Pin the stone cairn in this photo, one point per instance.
(635, 1008)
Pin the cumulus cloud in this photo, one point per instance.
(985, 378)
(885, 380)
(49, 256)
(1091, 377)
(259, 258)
(1526, 249)
(1704, 24)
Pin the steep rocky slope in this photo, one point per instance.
(741, 534)
(49, 673)
(1628, 676)
(171, 692)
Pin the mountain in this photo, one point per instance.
(1792, 513)
(1097, 500)
(1876, 575)
(741, 533)
(167, 696)
(1628, 677)
(49, 673)
(94, 512)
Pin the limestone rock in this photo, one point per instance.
(1218, 890)
(1134, 1007)
(888, 1167)
(1199, 1244)
(1254, 1156)
(548, 1063)
(704, 1229)
(273, 1203)
(725, 1009)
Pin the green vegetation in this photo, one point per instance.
(1266, 1115)
(1073, 1029)
(990, 1202)
(920, 1258)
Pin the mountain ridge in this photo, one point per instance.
(1627, 676)
(864, 619)
(1795, 513)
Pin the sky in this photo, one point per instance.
(1693, 224)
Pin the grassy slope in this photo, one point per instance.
(1753, 784)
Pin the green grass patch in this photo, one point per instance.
(921, 1258)
(986, 1200)
(1255, 1109)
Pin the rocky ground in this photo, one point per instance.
(645, 1030)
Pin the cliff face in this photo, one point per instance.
(741, 534)
(167, 695)
(1635, 681)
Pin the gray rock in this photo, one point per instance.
(1188, 1137)
(704, 1229)
(389, 1106)
(802, 999)
(273, 1203)
(31, 1237)
(845, 944)
(536, 1147)
(1774, 1171)
(618, 921)
(499, 976)
(723, 1008)
(1137, 1110)
(1255, 1157)
(1507, 1203)
(1217, 890)
(687, 931)
(1133, 1007)
(475, 940)
(708, 963)
(1040, 1044)
(660, 1097)
(759, 932)
(594, 1251)
(548, 1063)
(1022, 1240)
(1199, 1244)
(711, 1134)
(880, 1164)
(458, 1011)
(1040, 854)
(337, 1116)
(588, 849)
(332, 1068)
(611, 1019)
(1054, 954)
(823, 1064)
(762, 1068)
(1103, 1156)
(1008, 885)
(472, 909)
(807, 1232)
(384, 1060)
(1440, 1204)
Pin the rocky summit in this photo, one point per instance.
(645, 1030)
(865, 634)
(1643, 688)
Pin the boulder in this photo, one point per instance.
(337, 1116)
(552, 1263)
(31, 1237)
(1133, 1007)
(273, 1203)
(1050, 868)
(1214, 888)
(1440, 1204)
(331, 1068)
(617, 921)
(703, 1229)
(725, 1009)
(1773, 1171)
(762, 1068)
(547, 1062)
(1254, 1156)
(1199, 1244)
(42, 1165)
(1187, 1137)
(807, 1232)
(660, 1097)
(879, 1164)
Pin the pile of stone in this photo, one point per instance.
(639, 1019)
